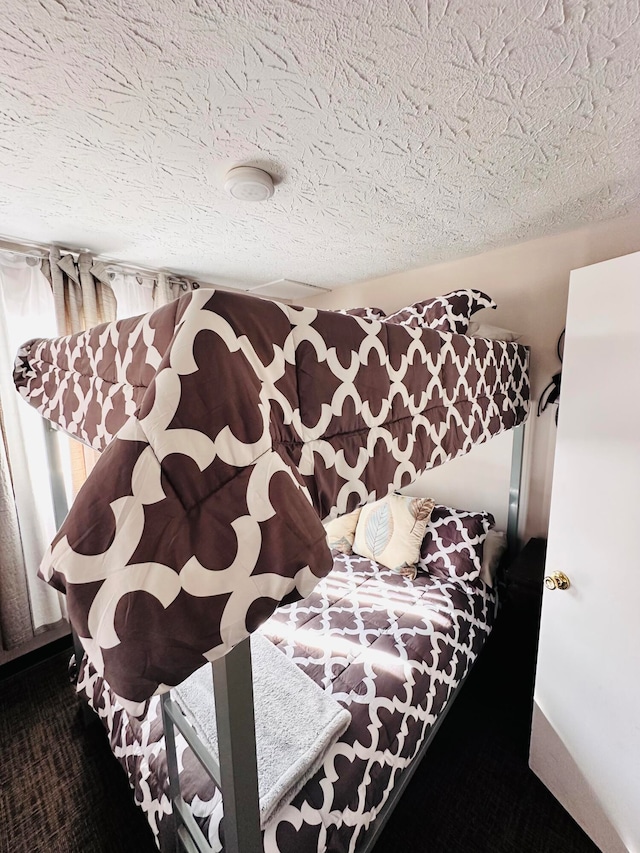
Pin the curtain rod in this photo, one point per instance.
(41, 251)
(34, 251)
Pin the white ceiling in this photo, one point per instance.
(401, 132)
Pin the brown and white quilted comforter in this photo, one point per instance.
(389, 649)
(230, 427)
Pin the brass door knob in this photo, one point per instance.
(557, 580)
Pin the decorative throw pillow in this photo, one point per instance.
(391, 530)
(448, 313)
(341, 530)
(366, 313)
(453, 542)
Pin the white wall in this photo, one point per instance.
(479, 480)
(529, 281)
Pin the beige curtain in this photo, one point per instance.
(16, 625)
(83, 298)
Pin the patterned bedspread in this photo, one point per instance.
(230, 426)
(389, 649)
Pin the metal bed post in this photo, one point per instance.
(513, 515)
(236, 774)
(60, 510)
(56, 477)
(233, 688)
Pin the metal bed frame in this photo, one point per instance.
(236, 773)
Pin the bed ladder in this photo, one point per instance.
(236, 774)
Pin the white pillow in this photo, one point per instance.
(494, 547)
(341, 532)
(491, 333)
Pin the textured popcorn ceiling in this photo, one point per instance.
(401, 132)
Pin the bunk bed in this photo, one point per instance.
(229, 429)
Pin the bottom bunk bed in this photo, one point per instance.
(389, 649)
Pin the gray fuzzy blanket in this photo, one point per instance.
(296, 722)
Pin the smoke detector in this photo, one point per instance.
(246, 183)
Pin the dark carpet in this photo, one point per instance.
(63, 792)
(61, 789)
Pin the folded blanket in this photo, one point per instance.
(296, 722)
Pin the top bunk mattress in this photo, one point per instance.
(230, 426)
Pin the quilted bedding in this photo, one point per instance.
(230, 427)
(389, 649)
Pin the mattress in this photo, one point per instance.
(389, 649)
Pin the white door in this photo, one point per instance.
(585, 743)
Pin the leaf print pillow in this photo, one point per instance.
(390, 531)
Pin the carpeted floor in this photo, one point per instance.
(63, 792)
(474, 791)
(61, 789)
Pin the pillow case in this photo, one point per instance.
(491, 333)
(341, 530)
(448, 313)
(366, 313)
(494, 547)
(390, 531)
(454, 542)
